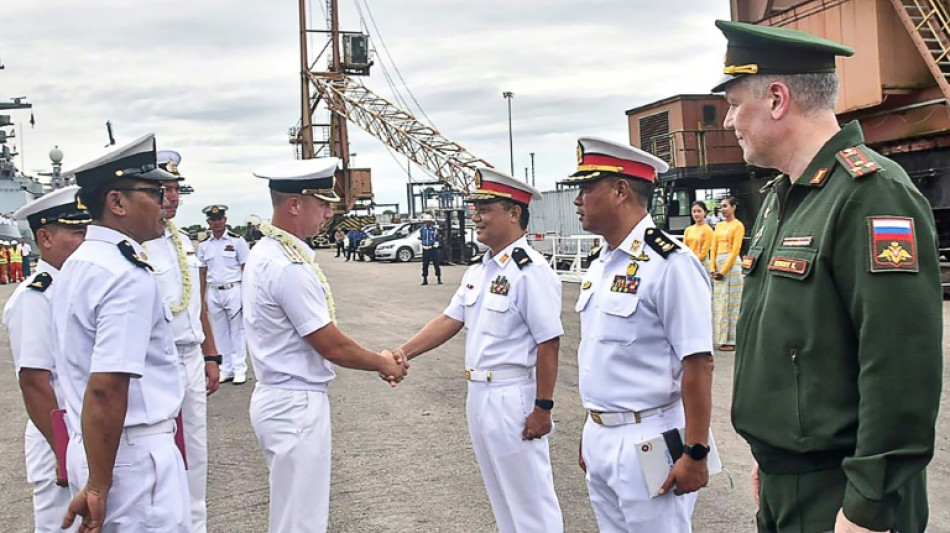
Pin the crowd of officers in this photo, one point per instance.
(836, 399)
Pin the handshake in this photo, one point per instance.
(393, 366)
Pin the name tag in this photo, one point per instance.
(797, 241)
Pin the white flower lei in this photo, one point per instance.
(298, 254)
(183, 267)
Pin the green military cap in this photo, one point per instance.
(754, 49)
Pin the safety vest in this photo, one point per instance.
(16, 255)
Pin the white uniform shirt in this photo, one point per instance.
(284, 302)
(27, 249)
(28, 318)
(186, 325)
(633, 342)
(108, 316)
(507, 311)
(223, 258)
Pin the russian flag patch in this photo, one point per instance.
(892, 244)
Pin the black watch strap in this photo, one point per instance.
(213, 359)
(696, 451)
(546, 405)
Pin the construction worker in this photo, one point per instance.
(115, 355)
(510, 303)
(16, 262)
(59, 225)
(4, 263)
(222, 256)
(839, 350)
(645, 357)
(294, 343)
(173, 259)
(429, 234)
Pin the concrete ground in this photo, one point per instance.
(401, 457)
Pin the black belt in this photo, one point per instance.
(777, 461)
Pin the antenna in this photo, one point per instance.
(109, 131)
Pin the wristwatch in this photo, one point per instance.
(697, 452)
(213, 359)
(546, 405)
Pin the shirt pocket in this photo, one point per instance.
(618, 319)
(496, 317)
(792, 263)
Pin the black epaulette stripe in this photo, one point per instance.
(594, 252)
(41, 282)
(660, 242)
(128, 252)
(521, 257)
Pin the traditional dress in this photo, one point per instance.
(727, 292)
(698, 238)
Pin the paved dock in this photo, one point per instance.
(402, 461)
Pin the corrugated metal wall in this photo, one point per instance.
(556, 213)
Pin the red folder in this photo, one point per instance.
(60, 442)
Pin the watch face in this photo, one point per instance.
(697, 451)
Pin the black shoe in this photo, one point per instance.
(425, 281)
(440, 281)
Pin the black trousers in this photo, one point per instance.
(339, 248)
(431, 256)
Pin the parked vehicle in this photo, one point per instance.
(400, 231)
(401, 250)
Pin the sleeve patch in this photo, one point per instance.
(892, 244)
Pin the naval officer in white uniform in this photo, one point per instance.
(645, 358)
(294, 343)
(222, 256)
(173, 259)
(59, 225)
(510, 304)
(116, 356)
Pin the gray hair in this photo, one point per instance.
(811, 92)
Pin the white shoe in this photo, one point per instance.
(224, 378)
(240, 379)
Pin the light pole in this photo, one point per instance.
(508, 95)
(532, 169)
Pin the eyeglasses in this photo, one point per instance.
(157, 192)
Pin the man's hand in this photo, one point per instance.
(537, 425)
(90, 504)
(843, 525)
(393, 366)
(212, 374)
(756, 485)
(580, 454)
(688, 474)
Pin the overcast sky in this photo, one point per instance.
(218, 80)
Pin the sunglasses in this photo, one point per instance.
(157, 192)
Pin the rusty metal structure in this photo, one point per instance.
(337, 92)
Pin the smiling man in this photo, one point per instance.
(116, 355)
(510, 302)
(838, 362)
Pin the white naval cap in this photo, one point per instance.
(303, 176)
(169, 161)
(493, 185)
(598, 158)
(61, 206)
(137, 159)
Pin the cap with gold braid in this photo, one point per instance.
(137, 159)
(754, 49)
(215, 211)
(61, 206)
(316, 177)
(599, 158)
(168, 160)
(493, 185)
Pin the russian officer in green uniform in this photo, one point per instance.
(838, 363)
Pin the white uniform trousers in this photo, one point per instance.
(618, 493)
(49, 500)
(516, 472)
(293, 430)
(149, 487)
(194, 416)
(227, 325)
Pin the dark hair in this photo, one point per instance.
(642, 189)
(94, 197)
(701, 205)
(525, 215)
(732, 201)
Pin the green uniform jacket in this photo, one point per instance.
(839, 338)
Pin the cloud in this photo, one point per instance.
(219, 80)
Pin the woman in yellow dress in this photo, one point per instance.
(727, 275)
(699, 236)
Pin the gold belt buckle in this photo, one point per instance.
(596, 418)
(636, 417)
(468, 374)
(488, 376)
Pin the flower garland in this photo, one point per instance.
(183, 267)
(298, 254)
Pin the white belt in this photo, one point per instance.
(134, 432)
(488, 376)
(632, 417)
(226, 286)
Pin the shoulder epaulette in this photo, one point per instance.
(183, 232)
(771, 183)
(594, 252)
(235, 235)
(292, 253)
(857, 161)
(128, 252)
(41, 282)
(661, 243)
(477, 258)
(521, 257)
